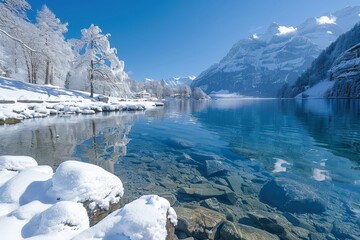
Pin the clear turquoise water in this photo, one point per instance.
(316, 142)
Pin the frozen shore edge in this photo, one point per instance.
(20, 100)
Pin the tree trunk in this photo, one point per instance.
(47, 72)
(92, 78)
(15, 59)
(28, 66)
(52, 74)
(33, 70)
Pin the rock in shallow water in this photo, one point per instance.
(204, 191)
(230, 231)
(291, 196)
(198, 222)
(214, 167)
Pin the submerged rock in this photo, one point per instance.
(230, 231)
(179, 143)
(214, 204)
(198, 222)
(205, 190)
(291, 196)
(235, 183)
(214, 167)
(273, 223)
(201, 191)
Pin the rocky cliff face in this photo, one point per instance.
(346, 74)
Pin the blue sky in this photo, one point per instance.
(164, 38)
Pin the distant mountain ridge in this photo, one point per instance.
(175, 81)
(260, 65)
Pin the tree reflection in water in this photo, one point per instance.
(106, 146)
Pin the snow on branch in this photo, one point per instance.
(19, 41)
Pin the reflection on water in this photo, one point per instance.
(55, 139)
(315, 142)
(106, 146)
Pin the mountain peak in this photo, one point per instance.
(279, 55)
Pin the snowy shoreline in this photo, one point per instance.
(19, 100)
(39, 204)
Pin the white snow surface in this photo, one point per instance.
(16, 163)
(318, 90)
(22, 100)
(175, 81)
(62, 216)
(142, 219)
(79, 182)
(30, 208)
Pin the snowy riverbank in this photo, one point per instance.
(19, 100)
(36, 203)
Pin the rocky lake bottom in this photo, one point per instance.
(263, 168)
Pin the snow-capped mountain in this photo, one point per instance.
(176, 81)
(334, 73)
(260, 65)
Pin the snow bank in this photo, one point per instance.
(144, 218)
(16, 163)
(36, 203)
(20, 100)
(63, 216)
(27, 184)
(81, 182)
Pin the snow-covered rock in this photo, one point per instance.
(64, 216)
(16, 163)
(37, 204)
(29, 185)
(145, 218)
(259, 66)
(81, 182)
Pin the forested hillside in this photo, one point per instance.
(320, 68)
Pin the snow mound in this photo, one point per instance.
(63, 216)
(16, 163)
(25, 185)
(81, 182)
(144, 218)
(28, 211)
(35, 203)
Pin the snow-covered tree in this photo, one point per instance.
(18, 7)
(56, 51)
(15, 35)
(94, 54)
